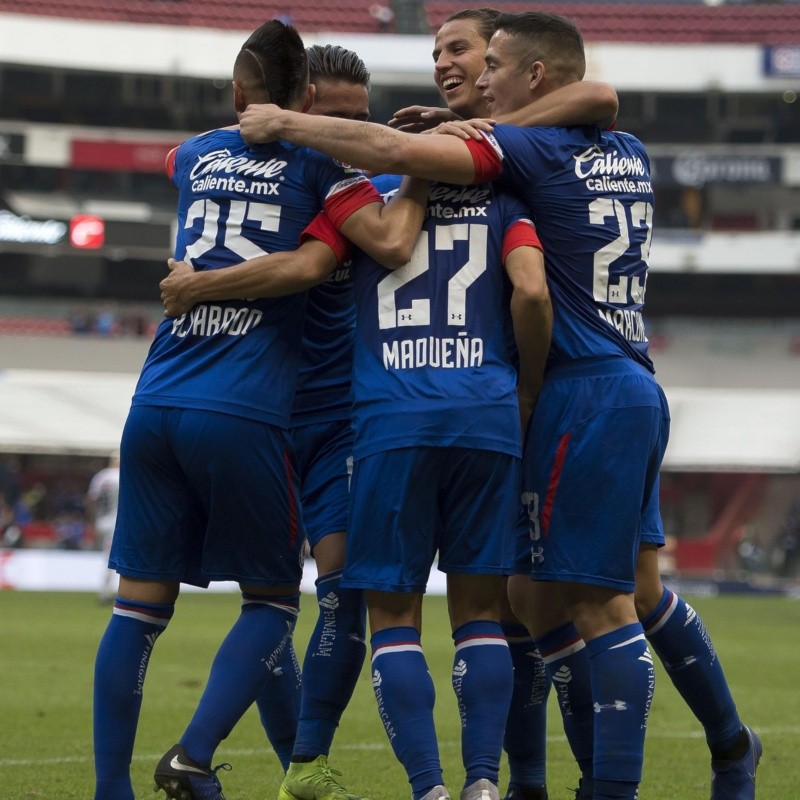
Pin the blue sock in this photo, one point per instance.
(680, 640)
(241, 668)
(119, 673)
(567, 662)
(405, 694)
(332, 664)
(623, 681)
(279, 704)
(525, 740)
(483, 680)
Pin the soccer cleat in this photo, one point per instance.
(437, 793)
(526, 792)
(481, 789)
(313, 780)
(736, 780)
(184, 779)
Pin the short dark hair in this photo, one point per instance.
(550, 38)
(336, 63)
(273, 61)
(485, 20)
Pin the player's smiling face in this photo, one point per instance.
(505, 84)
(338, 98)
(458, 62)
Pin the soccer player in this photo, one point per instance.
(208, 490)
(593, 205)
(322, 437)
(685, 649)
(459, 50)
(436, 347)
(102, 498)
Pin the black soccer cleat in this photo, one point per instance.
(184, 779)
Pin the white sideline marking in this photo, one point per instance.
(375, 746)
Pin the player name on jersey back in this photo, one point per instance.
(435, 340)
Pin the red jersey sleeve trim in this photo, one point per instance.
(344, 200)
(322, 228)
(488, 163)
(169, 162)
(520, 234)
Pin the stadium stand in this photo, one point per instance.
(681, 22)
(652, 21)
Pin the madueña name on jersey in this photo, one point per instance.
(609, 172)
(432, 351)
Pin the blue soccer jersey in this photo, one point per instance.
(435, 357)
(591, 198)
(236, 202)
(323, 388)
(326, 359)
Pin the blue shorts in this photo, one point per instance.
(407, 504)
(206, 497)
(652, 526)
(324, 455)
(652, 532)
(590, 472)
(523, 543)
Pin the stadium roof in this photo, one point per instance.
(727, 430)
(82, 413)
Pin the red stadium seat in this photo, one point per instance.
(676, 22)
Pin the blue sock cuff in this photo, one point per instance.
(155, 613)
(290, 601)
(654, 617)
(558, 639)
(399, 635)
(288, 605)
(478, 628)
(328, 577)
(614, 638)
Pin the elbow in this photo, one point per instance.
(396, 250)
(536, 294)
(608, 106)
(395, 256)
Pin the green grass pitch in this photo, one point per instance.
(48, 642)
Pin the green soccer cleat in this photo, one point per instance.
(313, 780)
